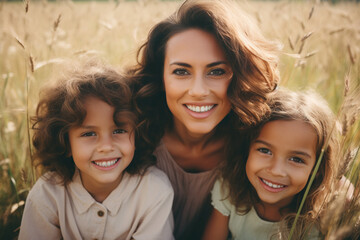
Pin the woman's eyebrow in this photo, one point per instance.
(181, 64)
(189, 66)
(216, 63)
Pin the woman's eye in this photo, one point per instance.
(264, 150)
(217, 72)
(297, 160)
(88, 134)
(180, 72)
(119, 131)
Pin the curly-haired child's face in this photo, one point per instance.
(196, 78)
(100, 149)
(281, 160)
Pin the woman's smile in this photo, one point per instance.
(196, 79)
(199, 108)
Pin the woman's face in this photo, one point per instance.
(196, 78)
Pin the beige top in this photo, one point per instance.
(191, 207)
(139, 208)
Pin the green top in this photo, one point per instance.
(248, 226)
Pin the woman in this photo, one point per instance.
(200, 71)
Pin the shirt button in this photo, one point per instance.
(100, 213)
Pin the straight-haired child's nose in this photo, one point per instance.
(198, 87)
(277, 167)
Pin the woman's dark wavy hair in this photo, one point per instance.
(287, 105)
(61, 106)
(253, 60)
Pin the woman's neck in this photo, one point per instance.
(194, 152)
(188, 138)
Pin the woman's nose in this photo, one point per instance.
(198, 87)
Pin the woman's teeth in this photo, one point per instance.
(200, 109)
(272, 185)
(105, 163)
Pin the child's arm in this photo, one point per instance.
(157, 221)
(40, 217)
(217, 227)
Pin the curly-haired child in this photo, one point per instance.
(98, 181)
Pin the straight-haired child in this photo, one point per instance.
(263, 183)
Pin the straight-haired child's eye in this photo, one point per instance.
(181, 72)
(119, 131)
(297, 160)
(264, 150)
(88, 134)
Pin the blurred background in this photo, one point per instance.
(321, 50)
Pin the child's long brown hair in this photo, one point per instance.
(286, 105)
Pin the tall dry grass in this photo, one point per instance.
(321, 51)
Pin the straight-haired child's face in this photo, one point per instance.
(100, 149)
(281, 160)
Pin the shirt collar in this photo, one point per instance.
(83, 200)
(121, 193)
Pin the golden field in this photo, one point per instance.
(321, 50)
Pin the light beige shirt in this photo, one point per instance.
(191, 206)
(139, 208)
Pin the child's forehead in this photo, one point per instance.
(281, 125)
(94, 105)
(289, 131)
(98, 109)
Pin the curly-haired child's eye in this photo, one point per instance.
(119, 131)
(88, 134)
(264, 150)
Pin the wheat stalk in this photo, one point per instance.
(311, 12)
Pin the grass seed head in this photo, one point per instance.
(351, 55)
(57, 22)
(311, 12)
